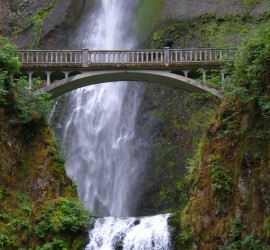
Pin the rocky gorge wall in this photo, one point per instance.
(174, 123)
(27, 23)
(154, 14)
(181, 9)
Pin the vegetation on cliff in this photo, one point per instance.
(39, 208)
(229, 203)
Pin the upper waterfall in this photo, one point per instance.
(103, 155)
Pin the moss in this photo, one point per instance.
(209, 30)
(147, 16)
(32, 176)
(236, 163)
(251, 4)
(36, 21)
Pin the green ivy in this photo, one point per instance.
(222, 183)
(66, 216)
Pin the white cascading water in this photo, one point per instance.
(103, 153)
(99, 131)
(148, 233)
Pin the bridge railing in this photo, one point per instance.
(126, 57)
(118, 58)
(51, 57)
(205, 55)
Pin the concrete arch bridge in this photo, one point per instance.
(67, 70)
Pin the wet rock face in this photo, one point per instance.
(14, 13)
(181, 9)
(18, 20)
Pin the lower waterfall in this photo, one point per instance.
(145, 233)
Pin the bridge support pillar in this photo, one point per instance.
(204, 75)
(66, 74)
(166, 56)
(222, 75)
(186, 72)
(48, 77)
(30, 77)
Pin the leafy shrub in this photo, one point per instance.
(6, 241)
(8, 57)
(55, 245)
(252, 69)
(220, 179)
(250, 243)
(15, 94)
(64, 216)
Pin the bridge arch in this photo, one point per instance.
(154, 76)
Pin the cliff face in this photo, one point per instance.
(173, 120)
(229, 203)
(38, 202)
(156, 14)
(230, 191)
(27, 22)
(32, 179)
(181, 9)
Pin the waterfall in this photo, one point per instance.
(148, 233)
(103, 151)
(99, 129)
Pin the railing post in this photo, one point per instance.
(166, 56)
(85, 57)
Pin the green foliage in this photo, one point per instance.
(236, 235)
(200, 111)
(209, 30)
(6, 241)
(250, 4)
(36, 21)
(64, 216)
(222, 183)
(55, 245)
(147, 16)
(181, 234)
(165, 36)
(252, 68)
(16, 223)
(193, 162)
(250, 243)
(230, 123)
(30, 107)
(9, 63)
(237, 241)
(266, 226)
